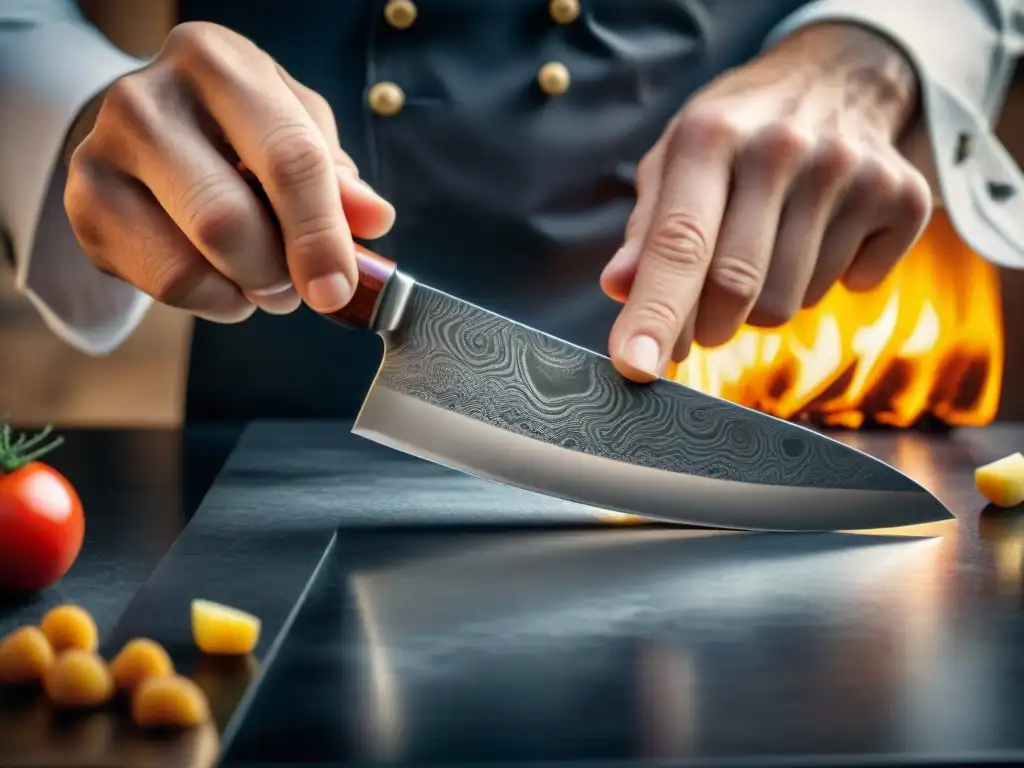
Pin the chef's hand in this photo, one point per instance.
(155, 197)
(772, 183)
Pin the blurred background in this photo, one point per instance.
(142, 383)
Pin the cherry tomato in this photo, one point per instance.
(41, 520)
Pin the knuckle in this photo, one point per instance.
(658, 315)
(678, 241)
(878, 180)
(171, 280)
(709, 131)
(738, 278)
(220, 227)
(317, 238)
(916, 197)
(81, 203)
(294, 156)
(133, 106)
(780, 142)
(836, 158)
(216, 216)
(197, 45)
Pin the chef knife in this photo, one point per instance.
(474, 391)
(478, 392)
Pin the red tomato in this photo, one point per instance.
(41, 521)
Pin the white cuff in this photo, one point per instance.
(82, 306)
(49, 69)
(964, 52)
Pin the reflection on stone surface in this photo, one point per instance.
(35, 733)
(1003, 531)
(690, 622)
(224, 680)
(666, 688)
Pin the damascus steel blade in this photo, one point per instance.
(480, 393)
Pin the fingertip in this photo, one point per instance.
(369, 215)
(639, 358)
(227, 315)
(328, 293)
(633, 374)
(681, 350)
(616, 287)
(711, 331)
(282, 302)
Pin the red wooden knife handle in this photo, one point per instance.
(374, 271)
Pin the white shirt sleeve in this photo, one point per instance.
(965, 53)
(52, 62)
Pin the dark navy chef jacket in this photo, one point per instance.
(506, 196)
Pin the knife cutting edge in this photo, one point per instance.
(477, 392)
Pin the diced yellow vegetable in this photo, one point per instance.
(79, 679)
(140, 659)
(221, 630)
(25, 656)
(170, 701)
(1002, 481)
(70, 627)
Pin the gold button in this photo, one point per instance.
(400, 14)
(553, 78)
(564, 11)
(386, 99)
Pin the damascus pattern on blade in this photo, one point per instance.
(470, 361)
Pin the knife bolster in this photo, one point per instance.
(375, 272)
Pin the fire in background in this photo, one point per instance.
(927, 345)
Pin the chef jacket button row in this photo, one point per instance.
(400, 14)
(564, 11)
(553, 78)
(387, 99)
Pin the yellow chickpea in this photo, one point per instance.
(25, 656)
(171, 701)
(79, 679)
(140, 659)
(70, 627)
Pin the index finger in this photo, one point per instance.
(275, 137)
(676, 253)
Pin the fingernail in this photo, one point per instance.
(329, 293)
(281, 303)
(274, 289)
(643, 354)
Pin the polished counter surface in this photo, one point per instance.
(420, 616)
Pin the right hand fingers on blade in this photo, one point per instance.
(762, 175)
(369, 215)
(127, 234)
(273, 135)
(850, 226)
(198, 188)
(676, 251)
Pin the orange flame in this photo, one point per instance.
(927, 342)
